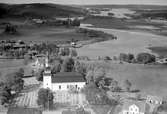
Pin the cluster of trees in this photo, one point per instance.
(11, 84)
(67, 52)
(69, 22)
(142, 58)
(96, 96)
(45, 98)
(45, 47)
(66, 65)
(94, 33)
(98, 84)
(11, 51)
(10, 29)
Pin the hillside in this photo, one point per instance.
(132, 7)
(38, 10)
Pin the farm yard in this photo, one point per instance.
(28, 97)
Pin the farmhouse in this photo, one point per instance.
(63, 81)
(133, 107)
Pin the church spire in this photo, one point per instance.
(47, 60)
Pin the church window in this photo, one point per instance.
(59, 87)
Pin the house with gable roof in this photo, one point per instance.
(133, 107)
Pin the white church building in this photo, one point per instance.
(63, 80)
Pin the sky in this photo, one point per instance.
(86, 2)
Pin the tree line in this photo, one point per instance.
(11, 85)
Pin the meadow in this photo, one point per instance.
(150, 79)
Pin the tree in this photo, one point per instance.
(123, 57)
(89, 76)
(45, 98)
(80, 67)
(128, 85)
(97, 96)
(73, 53)
(145, 58)
(114, 87)
(56, 68)
(126, 57)
(39, 74)
(68, 65)
(98, 72)
(64, 51)
(20, 72)
(14, 81)
(5, 95)
(76, 22)
(10, 29)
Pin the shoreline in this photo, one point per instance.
(128, 42)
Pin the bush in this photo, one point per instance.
(145, 58)
(68, 65)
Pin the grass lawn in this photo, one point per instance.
(116, 23)
(126, 24)
(150, 79)
(47, 33)
(100, 109)
(12, 65)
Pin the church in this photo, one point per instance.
(62, 81)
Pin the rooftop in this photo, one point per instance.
(67, 77)
(19, 110)
(140, 104)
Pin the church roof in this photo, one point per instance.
(67, 77)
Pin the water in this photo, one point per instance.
(127, 42)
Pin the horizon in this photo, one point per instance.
(90, 2)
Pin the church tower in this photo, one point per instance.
(47, 61)
(47, 78)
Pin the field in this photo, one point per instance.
(139, 24)
(54, 34)
(150, 79)
(12, 65)
(28, 97)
